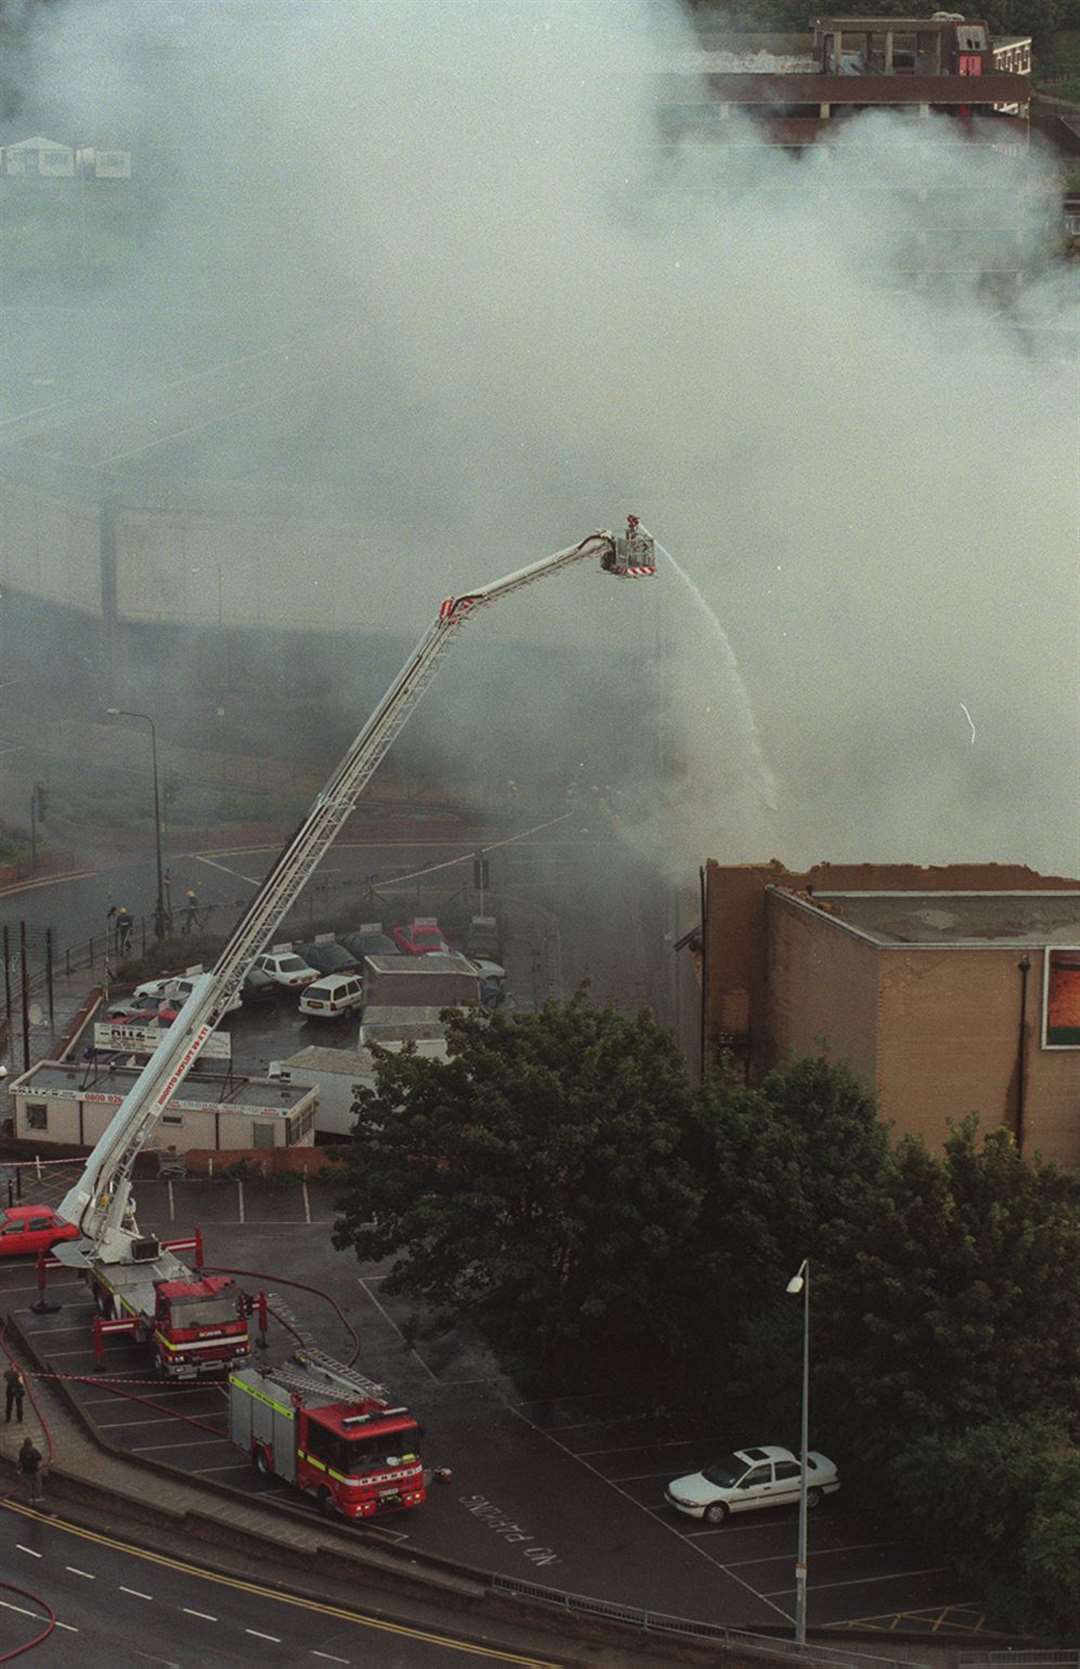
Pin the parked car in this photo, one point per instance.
(134, 1011)
(154, 987)
(288, 971)
(369, 940)
(258, 987)
(328, 957)
(32, 1228)
(420, 937)
(337, 994)
(177, 992)
(751, 1478)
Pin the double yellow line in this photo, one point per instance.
(359, 1618)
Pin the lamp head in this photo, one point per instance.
(795, 1284)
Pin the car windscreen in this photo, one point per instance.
(202, 1312)
(371, 1454)
(290, 964)
(725, 1472)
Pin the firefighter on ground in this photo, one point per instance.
(15, 1389)
(123, 927)
(191, 911)
(29, 1464)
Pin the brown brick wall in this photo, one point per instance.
(948, 1046)
(823, 989)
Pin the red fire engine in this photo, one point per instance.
(192, 1324)
(330, 1431)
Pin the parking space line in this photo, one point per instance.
(116, 1425)
(389, 1318)
(187, 1443)
(868, 1581)
(243, 1466)
(628, 1448)
(36, 1332)
(640, 1477)
(670, 1528)
(815, 1553)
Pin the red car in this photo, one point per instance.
(32, 1228)
(420, 938)
(135, 1011)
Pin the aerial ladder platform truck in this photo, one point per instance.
(194, 1325)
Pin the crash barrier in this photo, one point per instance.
(729, 1639)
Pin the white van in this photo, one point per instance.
(335, 994)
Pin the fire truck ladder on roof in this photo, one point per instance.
(319, 1375)
(100, 1202)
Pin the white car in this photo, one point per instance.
(332, 995)
(749, 1478)
(178, 989)
(285, 968)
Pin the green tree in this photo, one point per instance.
(781, 1166)
(1000, 1503)
(537, 1181)
(959, 1303)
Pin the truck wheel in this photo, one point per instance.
(261, 1463)
(325, 1502)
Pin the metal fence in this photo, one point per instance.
(728, 1639)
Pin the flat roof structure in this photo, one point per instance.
(1000, 919)
(433, 962)
(198, 1090)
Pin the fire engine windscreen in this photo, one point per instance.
(203, 1312)
(356, 1456)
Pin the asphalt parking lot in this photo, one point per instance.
(565, 1492)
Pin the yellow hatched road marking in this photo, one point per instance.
(360, 1618)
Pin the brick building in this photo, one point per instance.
(946, 990)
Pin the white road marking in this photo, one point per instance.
(815, 1553)
(251, 880)
(75, 1571)
(192, 1443)
(389, 1318)
(864, 1581)
(327, 1657)
(276, 1638)
(69, 1626)
(33, 1554)
(205, 1615)
(23, 1612)
(673, 1530)
(136, 1593)
(114, 1425)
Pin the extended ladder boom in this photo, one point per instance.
(100, 1201)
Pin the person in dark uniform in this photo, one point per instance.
(29, 1464)
(15, 1391)
(191, 911)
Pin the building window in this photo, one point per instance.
(172, 1118)
(262, 1135)
(37, 1115)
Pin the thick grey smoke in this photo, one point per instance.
(509, 316)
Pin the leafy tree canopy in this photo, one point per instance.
(537, 1181)
(959, 1303)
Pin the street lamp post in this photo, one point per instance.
(800, 1282)
(159, 914)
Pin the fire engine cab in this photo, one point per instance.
(329, 1430)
